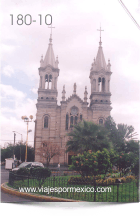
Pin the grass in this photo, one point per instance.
(127, 192)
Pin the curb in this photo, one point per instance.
(41, 198)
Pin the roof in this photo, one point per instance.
(74, 96)
(100, 59)
(49, 57)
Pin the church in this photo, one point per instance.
(54, 121)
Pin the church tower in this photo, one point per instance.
(100, 74)
(45, 127)
(48, 73)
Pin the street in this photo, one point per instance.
(8, 197)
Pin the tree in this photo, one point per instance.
(92, 163)
(104, 163)
(119, 134)
(48, 150)
(88, 136)
(86, 164)
(19, 152)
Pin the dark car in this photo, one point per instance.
(28, 165)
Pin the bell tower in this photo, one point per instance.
(48, 72)
(100, 75)
(46, 118)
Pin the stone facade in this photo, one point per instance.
(53, 122)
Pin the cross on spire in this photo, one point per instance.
(100, 34)
(51, 33)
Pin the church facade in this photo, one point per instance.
(54, 121)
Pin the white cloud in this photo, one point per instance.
(8, 71)
(9, 91)
(9, 124)
(34, 90)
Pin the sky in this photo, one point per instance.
(76, 42)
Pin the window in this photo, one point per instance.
(76, 120)
(46, 122)
(72, 118)
(94, 85)
(67, 121)
(71, 121)
(100, 121)
(48, 81)
(103, 84)
(99, 84)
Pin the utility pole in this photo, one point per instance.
(14, 144)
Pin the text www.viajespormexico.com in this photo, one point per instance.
(59, 190)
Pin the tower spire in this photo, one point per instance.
(100, 59)
(74, 89)
(49, 57)
(63, 93)
(51, 34)
(85, 95)
(100, 43)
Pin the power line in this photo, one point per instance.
(127, 11)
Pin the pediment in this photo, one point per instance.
(74, 101)
(73, 97)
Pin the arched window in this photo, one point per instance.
(46, 122)
(48, 81)
(99, 84)
(67, 121)
(103, 84)
(71, 121)
(100, 121)
(76, 120)
(94, 85)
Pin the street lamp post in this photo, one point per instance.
(26, 119)
(14, 143)
(20, 142)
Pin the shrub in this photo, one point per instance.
(23, 171)
(91, 163)
(40, 172)
(91, 180)
(130, 178)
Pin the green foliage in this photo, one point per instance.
(86, 164)
(18, 148)
(40, 174)
(119, 134)
(104, 164)
(23, 171)
(126, 148)
(90, 163)
(91, 180)
(88, 136)
(135, 168)
(125, 161)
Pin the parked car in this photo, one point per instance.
(29, 165)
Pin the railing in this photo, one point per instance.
(85, 191)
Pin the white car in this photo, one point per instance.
(28, 165)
